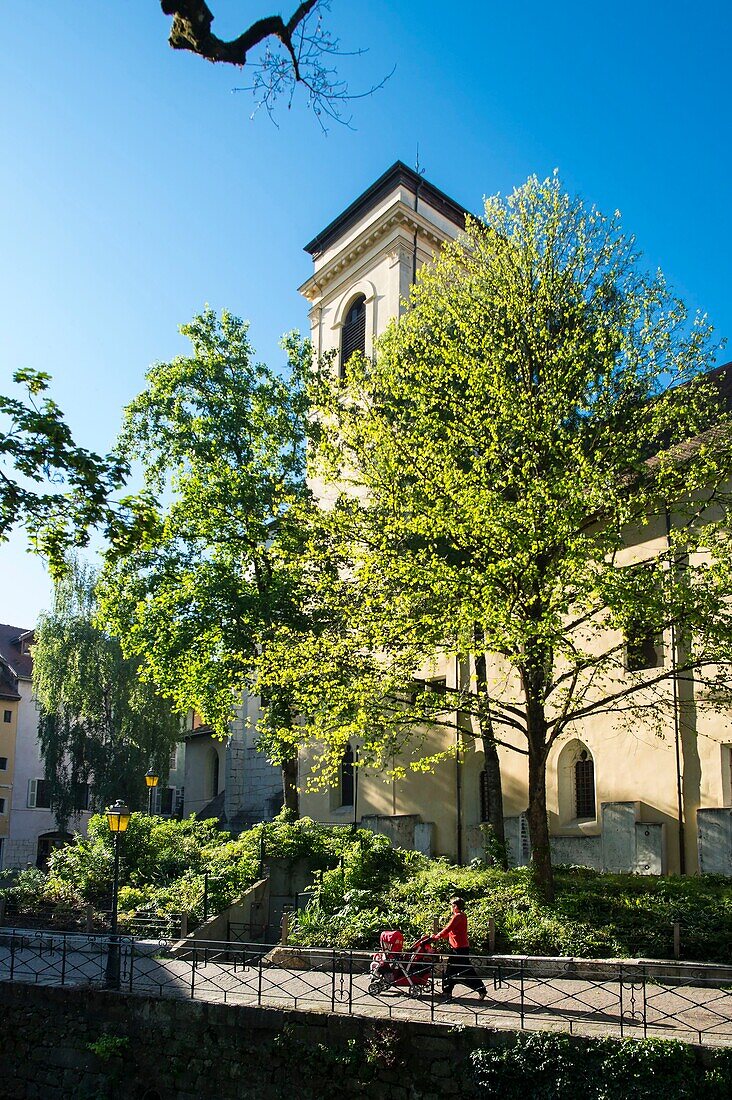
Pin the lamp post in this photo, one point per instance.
(118, 817)
(151, 779)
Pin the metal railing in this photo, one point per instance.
(675, 1001)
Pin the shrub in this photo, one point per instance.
(560, 1068)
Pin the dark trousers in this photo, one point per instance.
(460, 971)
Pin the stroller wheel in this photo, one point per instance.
(415, 991)
(377, 985)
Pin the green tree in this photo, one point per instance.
(541, 399)
(55, 489)
(99, 723)
(213, 560)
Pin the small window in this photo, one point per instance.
(2, 805)
(81, 797)
(584, 786)
(39, 794)
(167, 801)
(643, 649)
(173, 762)
(353, 335)
(435, 687)
(7, 716)
(3, 763)
(347, 777)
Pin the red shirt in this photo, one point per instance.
(455, 932)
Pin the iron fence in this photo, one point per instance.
(675, 1001)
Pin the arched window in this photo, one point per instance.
(484, 799)
(584, 785)
(576, 796)
(347, 780)
(353, 334)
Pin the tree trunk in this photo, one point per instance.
(538, 823)
(492, 764)
(289, 785)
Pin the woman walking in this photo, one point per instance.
(460, 970)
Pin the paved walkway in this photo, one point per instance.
(692, 1011)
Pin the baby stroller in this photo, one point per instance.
(394, 968)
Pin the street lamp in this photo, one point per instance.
(118, 817)
(151, 779)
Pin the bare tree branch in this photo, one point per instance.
(191, 30)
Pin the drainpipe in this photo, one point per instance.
(677, 724)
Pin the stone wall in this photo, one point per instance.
(190, 1050)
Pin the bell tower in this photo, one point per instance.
(365, 261)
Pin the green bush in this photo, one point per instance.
(363, 884)
(559, 1068)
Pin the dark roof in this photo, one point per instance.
(8, 687)
(398, 174)
(11, 638)
(722, 379)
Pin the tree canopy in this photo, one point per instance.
(213, 556)
(540, 406)
(100, 725)
(49, 485)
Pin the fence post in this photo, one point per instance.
(436, 925)
(89, 919)
(677, 940)
(522, 994)
(63, 959)
(2, 910)
(284, 928)
(332, 984)
(183, 925)
(492, 935)
(205, 896)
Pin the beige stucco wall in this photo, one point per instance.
(8, 733)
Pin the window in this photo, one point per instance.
(167, 801)
(7, 716)
(81, 797)
(643, 648)
(347, 777)
(39, 794)
(2, 805)
(435, 687)
(353, 334)
(173, 762)
(584, 786)
(3, 763)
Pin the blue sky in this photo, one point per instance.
(134, 187)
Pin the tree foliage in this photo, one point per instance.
(100, 725)
(540, 408)
(214, 555)
(50, 486)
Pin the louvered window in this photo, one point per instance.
(353, 335)
(584, 785)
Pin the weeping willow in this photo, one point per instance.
(101, 727)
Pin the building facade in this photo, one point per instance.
(32, 831)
